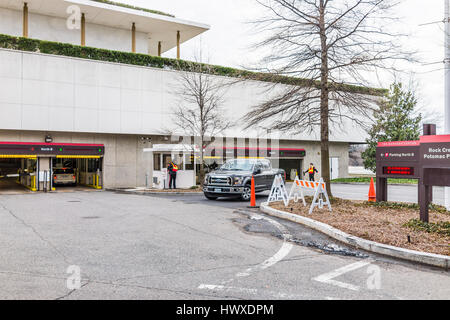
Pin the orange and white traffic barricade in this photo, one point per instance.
(296, 192)
(320, 196)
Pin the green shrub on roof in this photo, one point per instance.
(133, 7)
(69, 50)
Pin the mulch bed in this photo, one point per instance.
(377, 223)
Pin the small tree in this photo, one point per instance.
(394, 121)
(199, 112)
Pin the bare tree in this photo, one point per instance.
(334, 45)
(199, 112)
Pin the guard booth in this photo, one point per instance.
(427, 160)
(188, 160)
(34, 165)
(182, 155)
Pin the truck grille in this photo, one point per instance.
(225, 181)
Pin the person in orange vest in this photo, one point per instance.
(172, 169)
(312, 171)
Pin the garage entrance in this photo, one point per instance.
(36, 166)
(292, 167)
(17, 173)
(77, 171)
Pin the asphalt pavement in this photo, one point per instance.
(185, 247)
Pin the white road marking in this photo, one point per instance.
(272, 294)
(328, 277)
(277, 257)
(213, 287)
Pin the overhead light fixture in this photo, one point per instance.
(146, 139)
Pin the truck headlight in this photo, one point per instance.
(206, 179)
(238, 181)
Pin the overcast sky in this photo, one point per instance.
(228, 41)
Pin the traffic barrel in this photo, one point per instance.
(253, 195)
(372, 193)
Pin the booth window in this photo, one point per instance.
(177, 159)
(167, 158)
(157, 162)
(189, 159)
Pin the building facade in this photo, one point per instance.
(99, 116)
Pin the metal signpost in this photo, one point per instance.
(447, 83)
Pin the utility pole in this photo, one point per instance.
(447, 84)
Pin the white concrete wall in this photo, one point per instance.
(11, 22)
(54, 29)
(53, 93)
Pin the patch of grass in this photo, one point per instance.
(133, 7)
(352, 180)
(442, 227)
(440, 209)
(367, 180)
(401, 205)
(391, 205)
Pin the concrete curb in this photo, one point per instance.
(411, 255)
(143, 193)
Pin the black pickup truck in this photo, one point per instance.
(233, 179)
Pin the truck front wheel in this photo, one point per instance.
(247, 193)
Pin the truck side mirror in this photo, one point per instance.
(257, 171)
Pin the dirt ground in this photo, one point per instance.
(379, 224)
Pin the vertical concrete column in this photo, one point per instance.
(133, 38)
(83, 30)
(25, 20)
(178, 45)
(159, 49)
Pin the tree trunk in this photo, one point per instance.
(201, 174)
(324, 104)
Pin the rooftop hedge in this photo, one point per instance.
(69, 50)
(133, 7)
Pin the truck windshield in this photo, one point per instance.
(238, 165)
